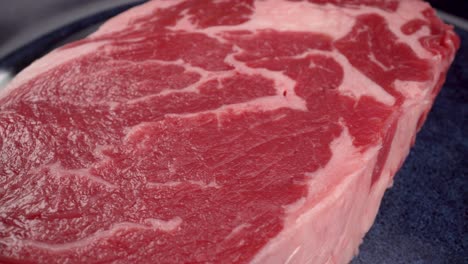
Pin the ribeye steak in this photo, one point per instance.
(217, 131)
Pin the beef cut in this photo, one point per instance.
(217, 132)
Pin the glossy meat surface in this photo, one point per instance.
(216, 131)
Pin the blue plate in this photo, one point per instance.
(422, 218)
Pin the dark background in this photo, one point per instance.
(24, 20)
(423, 218)
(455, 7)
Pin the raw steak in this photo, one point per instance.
(217, 132)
